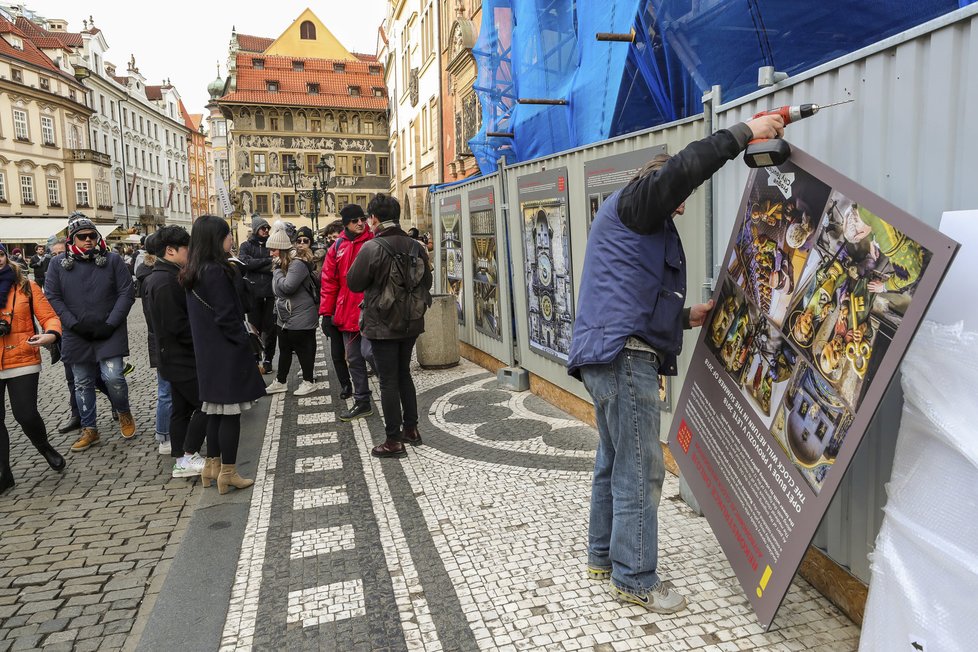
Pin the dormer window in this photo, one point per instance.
(16, 42)
(298, 66)
(258, 64)
(271, 86)
(378, 91)
(312, 89)
(374, 70)
(339, 67)
(354, 91)
(17, 74)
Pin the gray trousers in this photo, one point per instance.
(358, 351)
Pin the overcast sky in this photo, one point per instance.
(183, 41)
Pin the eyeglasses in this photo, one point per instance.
(359, 219)
(86, 236)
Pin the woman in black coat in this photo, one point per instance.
(228, 379)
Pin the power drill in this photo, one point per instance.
(764, 152)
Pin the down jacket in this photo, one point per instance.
(295, 297)
(14, 349)
(338, 301)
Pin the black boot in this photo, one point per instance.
(72, 424)
(359, 409)
(410, 435)
(6, 477)
(53, 457)
(390, 448)
(346, 392)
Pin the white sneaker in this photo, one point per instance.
(276, 387)
(165, 447)
(298, 374)
(186, 467)
(658, 599)
(196, 462)
(306, 388)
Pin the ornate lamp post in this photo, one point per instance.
(324, 172)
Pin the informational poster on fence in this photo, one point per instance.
(546, 259)
(604, 176)
(450, 213)
(485, 269)
(823, 286)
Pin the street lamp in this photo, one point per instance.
(324, 172)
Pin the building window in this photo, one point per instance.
(342, 201)
(259, 163)
(54, 193)
(298, 66)
(354, 91)
(258, 64)
(17, 75)
(374, 70)
(378, 91)
(273, 124)
(224, 169)
(361, 199)
(315, 125)
(339, 67)
(45, 83)
(271, 86)
(383, 166)
(3, 187)
(367, 128)
(261, 204)
(287, 161)
(288, 204)
(81, 194)
(312, 89)
(342, 165)
(312, 160)
(140, 124)
(27, 190)
(357, 167)
(20, 125)
(307, 31)
(47, 130)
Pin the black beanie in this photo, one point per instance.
(350, 213)
(304, 232)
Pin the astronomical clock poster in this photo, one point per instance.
(450, 213)
(823, 286)
(485, 268)
(546, 259)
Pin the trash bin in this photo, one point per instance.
(437, 347)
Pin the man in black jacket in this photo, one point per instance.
(38, 264)
(257, 260)
(167, 302)
(393, 331)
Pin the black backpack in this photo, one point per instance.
(403, 299)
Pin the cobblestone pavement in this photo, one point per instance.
(81, 551)
(474, 541)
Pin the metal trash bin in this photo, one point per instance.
(437, 347)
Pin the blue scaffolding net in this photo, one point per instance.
(548, 50)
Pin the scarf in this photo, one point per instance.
(7, 278)
(99, 253)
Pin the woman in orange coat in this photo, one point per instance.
(20, 361)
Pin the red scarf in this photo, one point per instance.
(77, 252)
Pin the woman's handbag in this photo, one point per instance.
(254, 337)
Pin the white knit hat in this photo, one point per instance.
(279, 239)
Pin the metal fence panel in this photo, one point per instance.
(909, 137)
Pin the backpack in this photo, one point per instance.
(403, 299)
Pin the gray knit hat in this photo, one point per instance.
(279, 239)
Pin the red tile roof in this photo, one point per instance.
(31, 54)
(370, 58)
(154, 92)
(188, 121)
(334, 87)
(41, 37)
(254, 43)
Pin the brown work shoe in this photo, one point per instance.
(390, 448)
(410, 435)
(127, 425)
(88, 437)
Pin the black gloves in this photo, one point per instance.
(104, 331)
(328, 328)
(93, 330)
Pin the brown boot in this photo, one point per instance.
(212, 469)
(88, 437)
(127, 425)
(410, 435)
(229, 478)
(390, 448)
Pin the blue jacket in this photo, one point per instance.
(634, 280)
(87, 292)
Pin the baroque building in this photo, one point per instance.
(197, 162)
(300, 98)
(461, 111)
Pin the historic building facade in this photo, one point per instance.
(48, 167)
(461, 111)
(411, 51)
(299, 98)
(197, 163)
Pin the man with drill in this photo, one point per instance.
(628, 330)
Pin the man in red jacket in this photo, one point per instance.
(340, 307)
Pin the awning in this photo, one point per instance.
(39, 229)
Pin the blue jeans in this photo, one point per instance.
(85, 375)
(164, 406)
(628, 470)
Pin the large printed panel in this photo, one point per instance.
(823, 288)
(452, 267)
(603, 176)
(485, 263)
(546, 258)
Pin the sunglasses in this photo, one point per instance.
(358, 219)
(86, 236)
(302, 240)
(262, 228)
